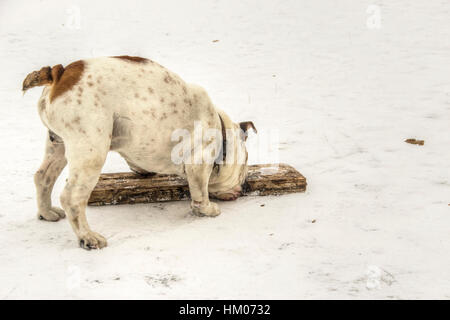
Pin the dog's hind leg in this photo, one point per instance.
(85, 163)
(45, 178)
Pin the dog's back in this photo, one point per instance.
(127, 104)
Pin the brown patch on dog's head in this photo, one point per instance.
(132, 59)
(70, 76)
(245, 126)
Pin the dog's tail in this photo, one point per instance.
(44, 77)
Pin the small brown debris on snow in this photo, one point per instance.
(215, 41)
(414, 141)
(313, 221)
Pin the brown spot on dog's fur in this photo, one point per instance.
(136, 95)
(168, 78)
(150, 90)
(188, 101)
(42, 104)
(57, 72)
(161, 100)
(76, 120)
(79, 101)
(245, 126)
(68, 79)
(132, 59)
(90, 84)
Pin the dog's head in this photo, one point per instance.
(228, 177)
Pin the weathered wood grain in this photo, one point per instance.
(129, 188)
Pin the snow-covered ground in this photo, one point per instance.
(344, 91)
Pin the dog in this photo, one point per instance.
(133, 106)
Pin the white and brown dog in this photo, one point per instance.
(133, 106)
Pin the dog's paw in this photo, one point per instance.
(92, 240)
(53, 214)
(210, 210)
(227, 196)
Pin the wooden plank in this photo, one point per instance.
(129, 188)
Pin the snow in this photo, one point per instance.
(343, 92)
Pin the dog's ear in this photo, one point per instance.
(245, 126)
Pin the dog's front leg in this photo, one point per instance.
(85, 165)
(45, 178)
(198, 179)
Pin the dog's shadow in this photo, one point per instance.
(120, 222)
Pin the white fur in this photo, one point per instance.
(131, 108)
